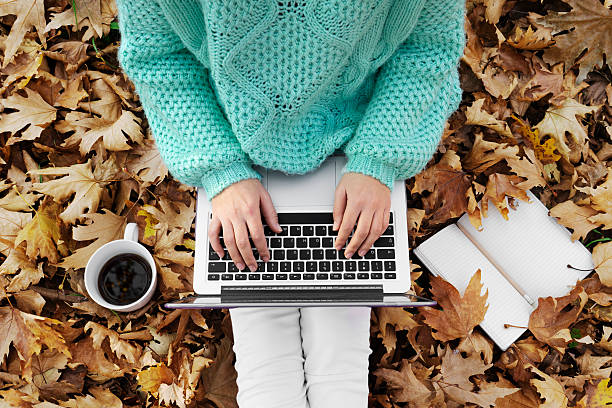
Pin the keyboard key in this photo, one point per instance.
(363, 275)
(324, 266)
(350, 266)
(253, 276)
(317, 254)
(272, 266)
(212, 255)
(295, 276)
(337, 266)
(309, 276)
(331, 232)
(261, 266)
(389, 230)
(331, 254)
(386, 253)
(364, 265)
(279, 254)
(349, 276)
(314, 242)
(322, 276)
(308, 230)
(292, 254)
(389, 265)
(389, 275)
(231, 267)
(213, 276)
(328, 242)
(285, 266)
(285, 231)
(306, 218)
(276, 242)
(371, 254)
(295, 230)
(336, 276)
(320, 230)
(311, 266)
(268, 231)
(268, 276)
(304, 254)
(281, 276)
(384, 242)
(341, 254)
(390, 218)
(241, 276)
(376, 275)
(301, 242)
(216, 267)
(226, 256)
(227, 276)
(377, 265)
(298, 266)
(356, 256)
(288, 242)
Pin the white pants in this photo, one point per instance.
(310, 357)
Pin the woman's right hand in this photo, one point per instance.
(236, 210)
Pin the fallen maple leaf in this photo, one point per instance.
(219, 379)
(80, 181)
(41, 234)
(407, 387)
(549, 389)
(151, 378)
(589, 25)
(459, 315)
(32, 112)
(30, 13)
(575, 217)
(550, 320)
(602, 258)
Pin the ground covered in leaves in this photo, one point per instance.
(77, 162)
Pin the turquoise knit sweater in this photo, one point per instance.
(226, 84)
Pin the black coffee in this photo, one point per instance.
(124, 279)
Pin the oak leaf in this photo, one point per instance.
(459, 315)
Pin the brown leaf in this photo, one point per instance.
(549, 389)
(391, 319)
(590, 24)
(550, 321)
(459, 315)
(575, 217)
(602, 258)
(30, 13)
(151, 378)
(32, 111)
(406, 387)
(219, 379)
(41, 234)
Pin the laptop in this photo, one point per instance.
(305, 269)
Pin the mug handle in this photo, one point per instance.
(131, 232)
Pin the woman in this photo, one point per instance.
(284, 84)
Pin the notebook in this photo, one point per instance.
(531, 247)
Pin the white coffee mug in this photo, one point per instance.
(128, 245)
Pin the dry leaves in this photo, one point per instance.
(78, 162)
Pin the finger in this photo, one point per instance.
(339, 206)
(386, 218)
(269, 213)
(375, 232)
(346, 226)
(244, 244)
(257, 235)
(230, 244)
(361, 232)
(214, 232)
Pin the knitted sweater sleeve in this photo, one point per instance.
(415, 92)
(193, 136)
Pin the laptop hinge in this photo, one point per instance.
(305, 293)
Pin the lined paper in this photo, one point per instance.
(531, 247)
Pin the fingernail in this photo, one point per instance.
(335, 225)
(252, 268)
(266, 258)
(240, 265)
(361, 253)
(348, 254)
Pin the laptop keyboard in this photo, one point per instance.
(304, 250)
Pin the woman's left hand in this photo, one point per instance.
(364, 197)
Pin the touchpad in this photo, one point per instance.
(297, 190)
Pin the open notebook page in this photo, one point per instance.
(453, 256)
(532, 248)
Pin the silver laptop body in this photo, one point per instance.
(311, 274)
